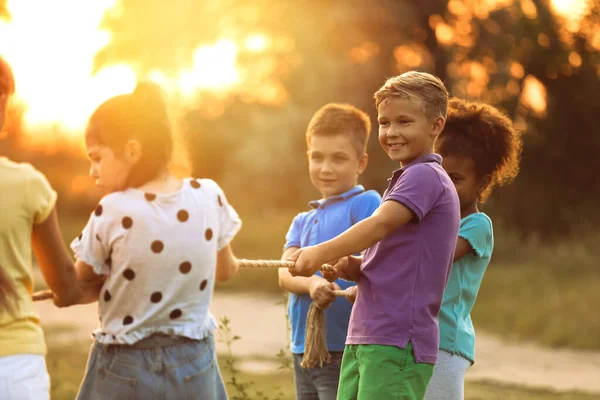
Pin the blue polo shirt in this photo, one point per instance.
(327, 219)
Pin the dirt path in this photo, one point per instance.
(261, 324)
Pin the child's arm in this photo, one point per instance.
(297, 285)
(318, 288)
(463, 247)
(227, 264)
(89, 282)
(387, 218)
(54, 261)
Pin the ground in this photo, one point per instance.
(504, 370)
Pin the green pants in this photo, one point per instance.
(373, 372)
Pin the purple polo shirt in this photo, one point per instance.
(404, 275)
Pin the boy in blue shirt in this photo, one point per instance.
(337, 140)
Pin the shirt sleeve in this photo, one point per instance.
(41, 196)
(229, 220)
(364, 205)
(477, 230)
(293, 238)
(92, 246)
(418, 189)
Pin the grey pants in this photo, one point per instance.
(159, 367)
(317, 383)
(448, 380)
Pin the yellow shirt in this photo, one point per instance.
(26, 198)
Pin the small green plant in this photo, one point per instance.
(284, 356)
(227, 337)
(240, 388)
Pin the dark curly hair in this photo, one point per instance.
(485, 135)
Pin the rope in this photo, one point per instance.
(315, 352)
(257, 264)
(340, 293)
(315, 343)
(275, 264)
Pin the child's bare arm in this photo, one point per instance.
(89, 282)
(54, 261)
(386, 219)
(227, 264)
(463, 247)
(289, 283)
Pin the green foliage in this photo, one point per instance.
(543, 294)
(241, 388)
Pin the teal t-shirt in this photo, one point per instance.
(457, 335)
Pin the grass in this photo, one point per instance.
(544, 294)
(66, 364)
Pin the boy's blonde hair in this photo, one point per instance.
(425, 88)
(345, 119)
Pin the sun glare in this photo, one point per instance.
(52, 52)
(573, 10)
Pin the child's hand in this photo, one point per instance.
(338, 268)
(347, 268)
(308, 260)
(351, 293)
(321, 292)
(72, 298)
(87, 291)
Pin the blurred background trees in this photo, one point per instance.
(538, 60)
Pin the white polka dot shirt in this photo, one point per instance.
(159, 252)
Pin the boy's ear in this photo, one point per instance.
(133, 151)
(438, 126)
(362, 163)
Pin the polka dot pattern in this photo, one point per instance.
(185, 267)
(157, 246)
(129, 274)
(127, 222)
(156, 297)
(152, 236)
(109, 259)
(183, 215)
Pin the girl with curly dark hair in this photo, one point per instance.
(480, 150)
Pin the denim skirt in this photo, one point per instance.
(159, 367)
